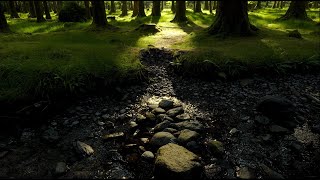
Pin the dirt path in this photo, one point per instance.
(220, 106)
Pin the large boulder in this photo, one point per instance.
(175, 162)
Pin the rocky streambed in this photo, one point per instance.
(178, 127)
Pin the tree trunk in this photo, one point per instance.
(162, 5)
(297, 10)
(267, 3)
(281, 4)
(274, 4)
(87, 6)
(25, 7)
(99, 14)
(232, 19)
(3, 22)
(141, 12)
(32, 13)
(39, 11)
(278, 4)
(194, 6)
(124, 8)
(46, 10)
(258, 5)
(214, 5)
(180, 15)
(112, 8)
(13, 10)
(135, 8)
(59, 6)
(206, 5)
(173, 8)
(130, 5)
(198, 7)
(156, 11)
(210, 7)
(315, 4)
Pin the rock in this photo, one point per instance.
(192, 125)
(74, 123)
(211, 171)
(113, 135)
(266, 137)
(51, 135)
(144, 140)
(140, 117)
(159, 111)
(233, 131)
(161, 126)
(175, 111)
(133, 124)
(153, 106)
(170, 130)
(278, 129)
(216, 147)
(245, 173)
(295, 34)
(162, 138)
(148, 155)
(84, 149)
(100, 123)
(193, 146)
(61, 168)
(150, 116)
(183, 117)
(262, 120)
(122, 111)
(174, 161)
(269, 173)
(187, 135)
(166, 104)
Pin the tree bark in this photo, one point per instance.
(59, 6)
(46, 10)
(141, 12)
(194, 6)
(214, 5)
(206, 5)
(267, 3)
(4, 27)
(39, 11)
(124, 8)
(162, 5)
(232, 19)
(180, 15)
(315, 4)
(274, 4)
(112, 8)
(281, 4)
(297, 10)
(156, 11)
(258, 5)
(173, 8)
(198, 7)
(135, 8)
(32, 11)
(210, 7)
(87, 6)
(99, 14)
(13, 10)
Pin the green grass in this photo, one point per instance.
(53, 58)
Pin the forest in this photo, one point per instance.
(160, 89)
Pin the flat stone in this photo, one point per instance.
(166, 104)
(61, 168)
(162, 125)
(192, 125)
(269, 173)
(162, 138)
(159, 111)
(100, 123)
(176, 162)
(140, 117)
(183, 117)
(187, 135)
(216, 147)
(175, 111)
(278, 129)
(148, 155)
(113, 135)
(84, 149)
(170, 130)
(245, 173)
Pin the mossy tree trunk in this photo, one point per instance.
(156, 11)
(124, 8)
(232, 19)
(99, 14)
(112, 8)
(173, 8)
(87, 6)
(297, 10)
(4, 27)
(13, 10)
(39, 11)
(141, 12)
(198, 7)
(135, 8)
(206, 5)
(210, 7)
(180, 15)
(46, 10)
(258, 5)
(32, 11)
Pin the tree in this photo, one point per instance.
(274, 4)
(32, 11)
(39, 11)
(13, 10)
(180, 15)
(4, 27)
(315, 4)
(135, 8)
(267, 3)
(258, 5)
(210, 7)
(198, 7)
(232, 19)
(173, 8)
(87, 6)
(141, 12)
(99, 14)
(59, 6)
(112, 8)
(46, 10)
(156, 11)
(206, 5)
(297, 10)
(124, 8)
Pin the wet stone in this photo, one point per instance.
(175, 111)
(216, 147)
(161, 126)
(192, 125)
(147, 155)
(162, 138)
(187, 135)
(183, 117)
(84, 149)
(245, 173)
(170, 130)
(166, 104)
(159, 111)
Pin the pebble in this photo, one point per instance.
(148, 155)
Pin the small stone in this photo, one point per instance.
(175, 111)
(84, 149)
(216, 147)
(262, 120)
(269, 173)
(150, 116)
(74, 123)
(187, 135)
(105, 116)
(161, 126)
(278, 129)
(193, 146)
(51, 135)
(54, 124)
(140, 118)
(192, 125)
(162, 138)
(148, 155)
(122, 111)
(100, 123)
(142, 148)
(166, 104)
(133, 124)
(183, 117)
(211, 170)
(233, 131)
(245, 173)
(266, 137)
(170, 130)
(152, 106)
(144, 140)
(159, 111)
(3, 154)
(113, 135)
(61, 168)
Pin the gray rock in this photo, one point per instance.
(187, 135)
(74, 123)
(161, 126)
(84, 149)
(192, 125)
(170, 130)
(153, 106)
(262, 120)
(162, 138)
(269, 173)
(163, 117)
(148, 155)
(183, 117)
(122, 111)
(245, 173)
(174, 161)
(166, 104)
(158, 111)
(216, 147)
(100, 123)
(175, 111)
(61, 168)
(278, 129)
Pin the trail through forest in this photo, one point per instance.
(104, 137)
